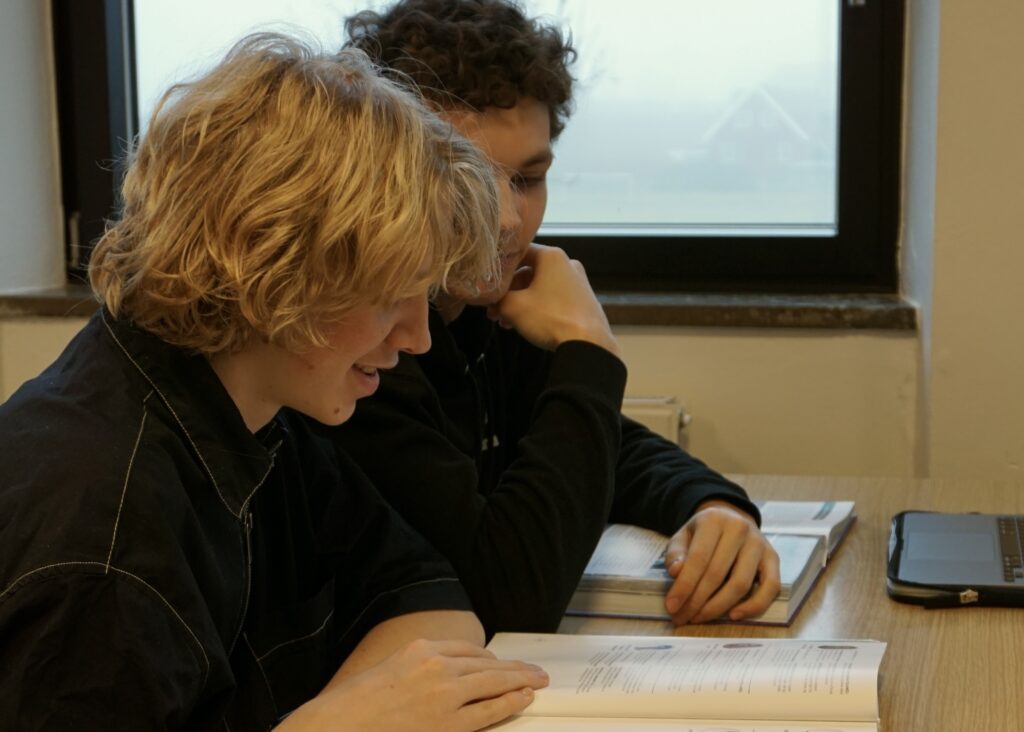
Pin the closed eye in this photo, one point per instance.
(524, 182)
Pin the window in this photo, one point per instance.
(733, 146)
(728, 146)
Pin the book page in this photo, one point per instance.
(579, 724)
(803, 517)
(831, 519)
(796, 552)
(700, 678)
(628, 551)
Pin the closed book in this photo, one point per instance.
(626, 575)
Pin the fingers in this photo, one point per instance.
(767, 589)
(477, 672)
(467, 665)
(492, 694)
(450, 648)
(491, 683)
(737, 584)
(692, 568)
(723, 553)
(677, 549)
(491, 711)
(521, 279)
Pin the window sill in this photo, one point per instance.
(69, 301)
(842, 312)
(871, 312)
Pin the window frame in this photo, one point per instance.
(97, 118)
(860, 257)
(94, 62)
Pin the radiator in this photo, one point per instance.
(660, 414)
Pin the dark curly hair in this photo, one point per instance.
(470, 53)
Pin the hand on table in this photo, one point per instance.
(715, 559)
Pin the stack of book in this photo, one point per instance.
(626, 575)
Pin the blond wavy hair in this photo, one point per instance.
(281, 189)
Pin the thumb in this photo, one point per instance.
(676, 551)
(521, 279)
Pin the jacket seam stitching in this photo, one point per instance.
(177, 419)
(307, 636)
(107, 568)
(266, 681)
(379, 595)
(127, 478)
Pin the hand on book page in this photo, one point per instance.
(568, 724)
(715, 559)
(436, 686)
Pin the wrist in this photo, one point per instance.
(598, 336)
(722, 504)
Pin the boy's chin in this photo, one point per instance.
(483, 299)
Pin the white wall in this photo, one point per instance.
(945, 401)
(30, 217)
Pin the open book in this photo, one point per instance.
(831, 519)
(626, 575)
(619, 683)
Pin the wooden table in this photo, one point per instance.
(959, 669)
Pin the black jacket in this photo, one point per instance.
(161, 567)
(511, 460)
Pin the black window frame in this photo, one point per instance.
(94, 61)
(94, 52)
(863, 254)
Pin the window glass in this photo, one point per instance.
(176, 39)
(691, 116)
(694, 115)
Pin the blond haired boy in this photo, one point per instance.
(177, 550)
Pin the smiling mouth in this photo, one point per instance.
(372, 370)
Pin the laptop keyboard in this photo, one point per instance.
(1011, 543)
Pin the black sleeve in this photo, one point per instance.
(658, 485)
(385, 568)
(87, 650)
(520, 550)
(380, 567)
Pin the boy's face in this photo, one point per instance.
(518, 142)
(324, 383)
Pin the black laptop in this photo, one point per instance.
(952, 559)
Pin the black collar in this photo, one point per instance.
(236, 460)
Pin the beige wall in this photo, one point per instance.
(977, 349)
(784, 401)
(27, 345)
(945, 401)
